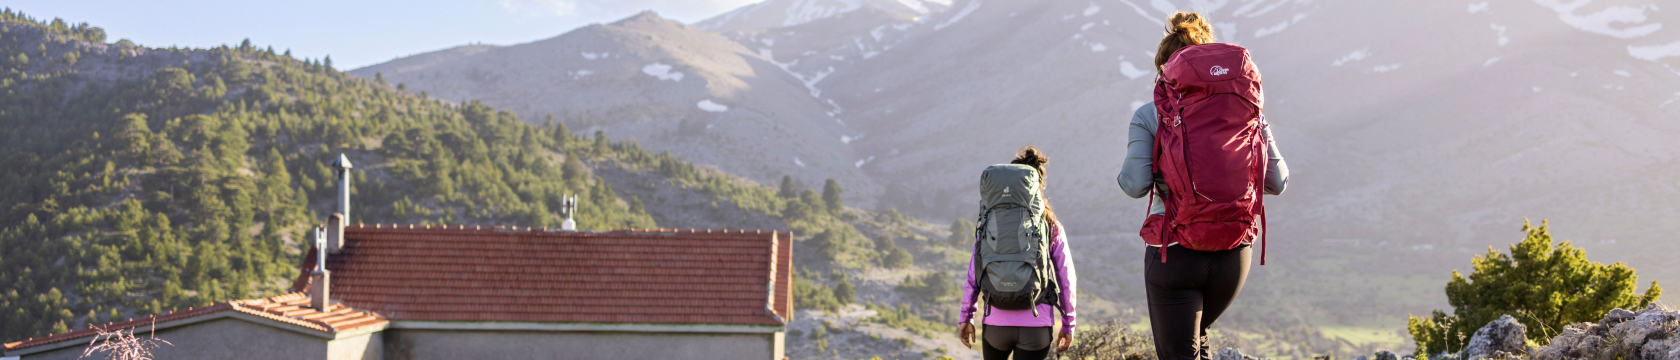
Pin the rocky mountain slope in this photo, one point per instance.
(1417, 132)
(663, 84)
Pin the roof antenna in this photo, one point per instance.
(318, 279)
(568, 205)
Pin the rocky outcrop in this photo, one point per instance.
(1233, 354)
(1648, 334)
(1502, 338)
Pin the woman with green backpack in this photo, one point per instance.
(1021, 267)
(1205, 155)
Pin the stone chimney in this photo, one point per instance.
(319, 285)
(342, 166)
(335, 233)
(569, 206)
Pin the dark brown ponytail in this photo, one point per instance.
(1031, 156)
(1183, 29)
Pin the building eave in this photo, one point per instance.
(226, 314)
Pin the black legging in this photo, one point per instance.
(1189, 292)
(1028, 343)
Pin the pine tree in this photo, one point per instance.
(1542, 284)
(831, 196)
(789, 190)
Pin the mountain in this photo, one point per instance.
(1411, 146)
(668, 86)
(1418, 133)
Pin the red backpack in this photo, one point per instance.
(1209, 150)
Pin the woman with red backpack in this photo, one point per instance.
(1206, 156)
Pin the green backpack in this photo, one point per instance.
(1010, 255)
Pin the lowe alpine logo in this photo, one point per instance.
(1218, 70)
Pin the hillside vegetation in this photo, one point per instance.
(142, 180)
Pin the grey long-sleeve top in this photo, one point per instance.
(1137, 173)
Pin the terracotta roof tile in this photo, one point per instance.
(499, 274)
(290, 308)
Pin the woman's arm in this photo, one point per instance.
(1137, 173)
(1277, 172)
(968, 292)
(1066, 277)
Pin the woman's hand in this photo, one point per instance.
(966, 333)
(1063, 341)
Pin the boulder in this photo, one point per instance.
(1499, 338)
(1385, 355)
(1652, 333)
(1233, 354)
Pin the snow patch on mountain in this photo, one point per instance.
(710, 106)
(1271, 30)
(1480, 7)
(1093, 9)
(1604, 21)
(1208, 6)
(1490, 61)
(1655, 52)
(662, 71)
(1247, 10)
(860, 162)
(1132, 71)
(1386, 68)
(1356, 55)
(1098, 47)
(1501, 30)
(1144, 14)
(805, 11)
(593, 56)
(811, 81)
(972, 5)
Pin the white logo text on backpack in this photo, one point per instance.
(1218, 70)
(1005, 191)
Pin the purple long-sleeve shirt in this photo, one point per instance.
(1062, 261)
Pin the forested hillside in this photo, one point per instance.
(140, 180)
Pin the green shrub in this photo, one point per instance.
(904, 318)
(809, 295)
(928, 287)
(1543, 285)
(962, 233)
(898, 258)
(844, 291)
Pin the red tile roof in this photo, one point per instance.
(498, 274)
(292, 308)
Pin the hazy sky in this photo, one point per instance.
(356, 33)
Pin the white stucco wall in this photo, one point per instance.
(425, 344)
